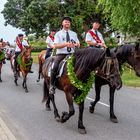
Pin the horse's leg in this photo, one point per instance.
(0, 71)
(49, 97)
(56, 115)
(24, 85)
(113, 118)
(81, 127)
(66, 115)
(39, 71)
(16, 77)
(97, 97)
(0, 77)
(46, 96)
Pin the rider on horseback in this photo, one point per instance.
(18, 49)
(94, 37)
(50, 42)
(65, 42)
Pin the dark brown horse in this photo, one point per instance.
(86, 61)
(24, 66)
(125, 54)
(2, 58)
(41, 60)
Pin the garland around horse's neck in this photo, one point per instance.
(83, 87)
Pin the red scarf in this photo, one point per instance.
(95, 37)
(52, 37)
(18, 42)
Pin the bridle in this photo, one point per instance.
(105, 71)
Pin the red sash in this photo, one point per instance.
(18, 42)
(95, 37)
(52, 38)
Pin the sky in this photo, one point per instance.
(8, 33)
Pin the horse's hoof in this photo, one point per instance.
(114, 120)
(48, 108)
(64, 117)
(62, 120)
(37, 80)
(58, 119)
(82, 131)
(0, 80)
(16, 82)
(91, 110)
(26, 90)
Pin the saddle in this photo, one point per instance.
(60, 67)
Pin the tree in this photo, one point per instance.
(123, 15)
(35, 16)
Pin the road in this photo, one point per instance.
(27, 118)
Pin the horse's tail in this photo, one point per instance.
(45, 91)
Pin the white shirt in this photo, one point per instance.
(60, 37)
(90, 38)
(17, 49)
(50, 41)
(25, 43)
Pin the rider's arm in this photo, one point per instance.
(90, 43)
(89, 40)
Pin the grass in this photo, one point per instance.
(128, 77)
(35, 57)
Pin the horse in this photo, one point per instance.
(41, 60)
(129, 53)
(24, 64)
(2, 58)
(85, 61)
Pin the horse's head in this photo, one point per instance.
(109, 69)
(26, 54)
(134, 59)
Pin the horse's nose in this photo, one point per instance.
(116, 83)
(119, 84)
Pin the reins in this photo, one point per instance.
(105, 68)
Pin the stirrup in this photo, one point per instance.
(52, 90)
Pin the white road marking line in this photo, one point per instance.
(98, 102)
(7, 130)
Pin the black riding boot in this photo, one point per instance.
(52, 82)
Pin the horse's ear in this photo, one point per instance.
(108, 52)
(137, 46)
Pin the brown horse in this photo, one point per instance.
(41, 60)
(2, 58)
(24, 65)
(85, 61)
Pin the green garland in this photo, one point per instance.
(23, 64)
(83, 87)
(2, 56)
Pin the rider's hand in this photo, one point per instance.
(69, 45)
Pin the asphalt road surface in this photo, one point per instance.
(27, 118)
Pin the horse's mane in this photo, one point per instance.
(86, 60)
(123, 51)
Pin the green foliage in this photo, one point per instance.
(82, 87)
(123, 15)
(35, 16)
(111, 42)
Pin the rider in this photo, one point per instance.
(50, 42)
(25, 43)
(65, 42)
(94, 38)
(18, 48)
